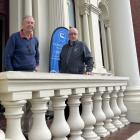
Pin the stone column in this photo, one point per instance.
(27, 7)
(104, 44)
(15, 15)
(95, 38)
(85, 14)
(58, 14)
(125, 56)
(109, 43)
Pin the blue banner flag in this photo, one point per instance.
(58, 40)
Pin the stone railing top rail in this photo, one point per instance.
(37, 75)
(35, 81)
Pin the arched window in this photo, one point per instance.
(71, 13)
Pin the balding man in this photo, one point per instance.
(75, 56)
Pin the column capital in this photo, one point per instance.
(107, 23)
(94, 9)
(84, 9)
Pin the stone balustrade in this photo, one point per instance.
(101, 97)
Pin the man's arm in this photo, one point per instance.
(88, 60)
(37, 55)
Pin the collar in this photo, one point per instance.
(72, 43)
(23, 35)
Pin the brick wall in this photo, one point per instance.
(135, 7)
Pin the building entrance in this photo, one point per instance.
(2, 41)
(4, 28)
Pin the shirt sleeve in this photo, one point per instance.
(8, 54)
(88, 59)
(37, 52)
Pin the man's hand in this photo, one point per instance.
(37, 68)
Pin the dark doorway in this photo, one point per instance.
(2, 40)
(4, 27)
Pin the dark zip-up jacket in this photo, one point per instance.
(75, 58)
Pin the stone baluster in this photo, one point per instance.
(74, 120)
(99, 114)
(122, 106)
(39, 130)
(13, 114)
(116, 110)
(59, 127)
(107, 110)
(89, 120)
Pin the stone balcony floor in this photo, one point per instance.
(124, 133)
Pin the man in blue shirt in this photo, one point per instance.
(21, 51)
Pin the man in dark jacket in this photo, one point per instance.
(75, 56)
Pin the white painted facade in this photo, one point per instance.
(106, 27)
(117, 55)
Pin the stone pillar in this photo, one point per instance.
(109, 43)
(104, 44)
(85, 14)
(15, 15)
(27, 7)
(95, 38)
(58, 14)
(125, 56)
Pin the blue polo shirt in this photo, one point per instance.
(21, 54)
